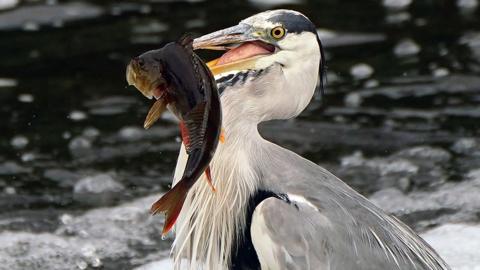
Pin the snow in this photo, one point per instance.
(457, 244)
(165, 264)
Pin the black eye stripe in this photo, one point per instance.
(294, 23)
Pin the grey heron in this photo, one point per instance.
(274, 209)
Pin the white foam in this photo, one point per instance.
(457, 244)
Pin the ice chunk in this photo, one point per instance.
(131, 133)
(273, 3)
(165, 264)
(79, 146)
(96, 190)
(77, 116)
(91, 132)
(457, 244)
(467, 146)
(406, 47)
(12, 168)
(19, 142)
(474, 175)
(26, 98)
(451, 202)
(397, 4)
(332, 38)
(30, 17)
(353, 100)
(6, 82)
(361, 71)
(467, 4)
(98, 184)
(7, 4)
(37, 251)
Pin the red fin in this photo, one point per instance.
(209, 178)
(171, 203)
(185, 136)
(195, 122)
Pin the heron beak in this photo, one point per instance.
(243, 44)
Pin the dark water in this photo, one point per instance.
(398, 79)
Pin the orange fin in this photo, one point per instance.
(222, 136)
(209, 178)
(171, 203)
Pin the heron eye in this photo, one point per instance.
(278, 32)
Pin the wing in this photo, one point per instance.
(282, 235)
(324, 224)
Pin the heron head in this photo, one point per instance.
(278, 57)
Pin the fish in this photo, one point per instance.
(181, 82)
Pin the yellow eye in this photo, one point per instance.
(278, 32)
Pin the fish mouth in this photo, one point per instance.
(244, 48)
(150, 86)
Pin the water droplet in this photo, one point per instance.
(164, 237)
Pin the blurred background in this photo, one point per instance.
(400, 122)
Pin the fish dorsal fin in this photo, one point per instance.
(196, 123)
(186, 41)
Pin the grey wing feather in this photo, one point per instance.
(341, 229)
(280, 246)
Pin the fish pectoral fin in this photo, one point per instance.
(185, 136)
(155, 112)
(195, 123)
(209, 179)
(171, 203)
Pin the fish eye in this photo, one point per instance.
(277, 32)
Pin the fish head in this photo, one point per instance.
(146, 73)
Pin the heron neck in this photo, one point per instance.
(212, 222)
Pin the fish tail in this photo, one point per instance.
(209, 178)
(171, 204)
